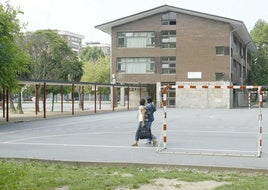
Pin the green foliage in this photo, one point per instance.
(13, 60)
(98, 72)
(259, 69)
(34, 175)
(91, 54)
(72, 72)
(260, 33)
(52, 58)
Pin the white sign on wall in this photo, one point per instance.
(194, 75)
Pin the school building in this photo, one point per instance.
(171, 45)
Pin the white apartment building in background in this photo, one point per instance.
(74, 40)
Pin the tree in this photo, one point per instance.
(72, 72)
(50, 55)
(69, 75)
(52, 58)
(91, 54)
(259, 69)
(96, 66)
(98, 72)
(13, 59)
(260, 33)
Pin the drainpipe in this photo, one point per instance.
(246, 58)
(230, 61)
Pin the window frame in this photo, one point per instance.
(219, 76)
(168, 39)
(122, 64)
(122, 38)
(168, 62)
(169, 18)
(221, 50)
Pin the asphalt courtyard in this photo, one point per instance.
(222, 138)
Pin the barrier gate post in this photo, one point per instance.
(260, 123)
(164, 128)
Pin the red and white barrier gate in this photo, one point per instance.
(164, 104)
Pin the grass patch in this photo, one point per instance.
(37, 175)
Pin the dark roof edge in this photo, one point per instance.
(173, 8)
(106, 27)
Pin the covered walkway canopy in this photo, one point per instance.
(44, 83)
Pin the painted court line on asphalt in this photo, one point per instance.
(54, 126)
(77, 145)
(62, 135)
(175, 150)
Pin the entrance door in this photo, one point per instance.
(152, 92)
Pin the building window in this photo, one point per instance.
(135, 65)
(168, 65)
(136, 39)
(219, 76)
(168, 39)
(236, 41)
(221, 50)
(169, 18)
(238, 68)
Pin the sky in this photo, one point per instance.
(81, 16)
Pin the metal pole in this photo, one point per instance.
(83, 98)
(36, 99)
(100, 98)
(4, 103)
(128, 97)
(61, 98)
(260, 123)
(165, 118)
(114, 95)
(44, 100)
(73, 99)
(95, 98)
(164, 104)
(249, 100)
(7, 104)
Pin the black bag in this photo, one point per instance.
(146, 114)
(145, 133)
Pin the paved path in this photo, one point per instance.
(195, 137)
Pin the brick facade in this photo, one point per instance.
(197, 36)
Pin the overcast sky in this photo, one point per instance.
(81, 16)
